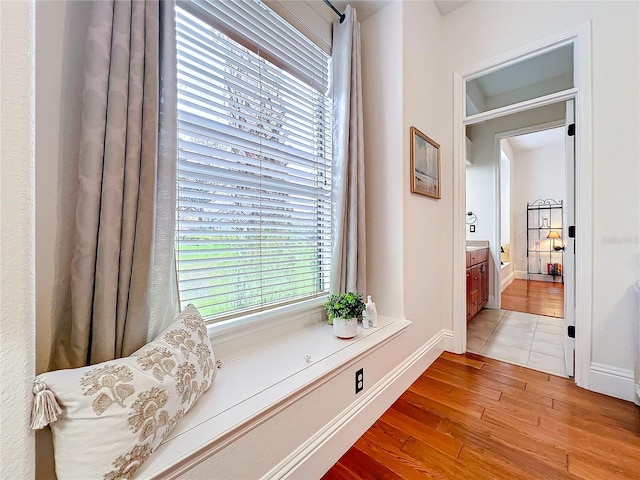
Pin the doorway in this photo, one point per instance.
(464, 117)
(527, 326)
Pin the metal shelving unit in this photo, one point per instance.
(545, 250)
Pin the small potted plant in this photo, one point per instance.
(343, 310)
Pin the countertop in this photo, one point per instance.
(475, 245)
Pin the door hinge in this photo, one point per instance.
(571, 131)
(572, 231)
(571, 331)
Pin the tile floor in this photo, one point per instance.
(533, 341)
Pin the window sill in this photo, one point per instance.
(267, 319)
(255, 385)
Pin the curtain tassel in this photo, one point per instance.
(45, 406)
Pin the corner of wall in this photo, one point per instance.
(382, 97)
(427, 222)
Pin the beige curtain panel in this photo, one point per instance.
(348, 261)
(123, 286)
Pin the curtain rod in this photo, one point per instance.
(330, 5)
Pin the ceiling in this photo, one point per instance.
(541, 139)
(448, 6)
(366, 8)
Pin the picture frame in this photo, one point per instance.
(425, 165)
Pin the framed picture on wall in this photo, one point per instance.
(425, 165)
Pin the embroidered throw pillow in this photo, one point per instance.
(113, 415)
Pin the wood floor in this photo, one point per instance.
(471, 417)
(539, 298)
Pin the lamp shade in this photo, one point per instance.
(553, 234)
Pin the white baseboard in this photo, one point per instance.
(520, 275)
(491, 302)
(506, 281)
(448, 340)
(612, 381)
(316, 456)
(538, 278)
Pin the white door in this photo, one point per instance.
(569, 241)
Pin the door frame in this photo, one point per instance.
(580, 37)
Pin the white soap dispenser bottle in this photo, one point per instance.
(365, 313)
(370, 313)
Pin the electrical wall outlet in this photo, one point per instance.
(359, 380)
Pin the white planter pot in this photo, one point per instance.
(345, 327)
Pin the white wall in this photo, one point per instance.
(505, 196)
(427, 223)
(382, 64)
(481, 194)
(537, 174)
(481, 30)
(17, 278)
(511, 154)
(400, 53)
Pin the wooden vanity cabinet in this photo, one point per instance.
(468, 290)
(477, 281)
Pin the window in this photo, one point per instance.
(254, 160)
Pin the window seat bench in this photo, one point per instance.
(257, 383)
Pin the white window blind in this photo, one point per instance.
(254, 166)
